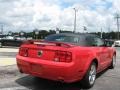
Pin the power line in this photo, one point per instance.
(117, 19)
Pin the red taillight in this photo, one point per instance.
(63, 56)
(23, 52)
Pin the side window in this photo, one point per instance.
(94, 41)
(76, 40)
(98, 41)
(90, 41)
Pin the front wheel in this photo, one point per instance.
(113, 63)
(89, 79)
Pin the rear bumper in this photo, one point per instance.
(49, 69)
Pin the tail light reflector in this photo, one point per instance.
(23, 52)
(63, 56)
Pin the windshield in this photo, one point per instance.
(65, 38)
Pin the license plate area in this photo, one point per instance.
(36, 68)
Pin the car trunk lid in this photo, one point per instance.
(52, 51)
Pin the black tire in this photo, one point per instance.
(0, 45)
(113, 63)
(89, 79)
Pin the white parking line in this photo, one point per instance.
(7, 61)
(15, 88)
(8, 50)
(7, 56)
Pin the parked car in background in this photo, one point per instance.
(10, 41)
(20, 38)
(66, 57)
(1, 36)
(9, 37)
(116, 43)
(109, 42)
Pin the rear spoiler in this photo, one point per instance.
(48, 43)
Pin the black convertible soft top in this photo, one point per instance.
(81, 39)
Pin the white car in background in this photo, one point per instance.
(9, 37)
(116, 43)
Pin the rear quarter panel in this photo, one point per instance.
(82, 58)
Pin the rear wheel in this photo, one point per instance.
(90, 76)
(113, 63)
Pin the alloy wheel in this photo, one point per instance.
(114, 61)
(92, 74)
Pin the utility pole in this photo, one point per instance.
(109, 32)
(75, 20)
(109, 29)
(1, 28)
(57, 31)
(101, 33)
(84, 29)
(117, 18)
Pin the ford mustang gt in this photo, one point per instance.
(66, 57)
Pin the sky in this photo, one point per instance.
(26, 15)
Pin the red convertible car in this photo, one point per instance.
(66, 57)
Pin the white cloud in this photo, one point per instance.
(49, 14)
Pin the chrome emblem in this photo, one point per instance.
(40, 52)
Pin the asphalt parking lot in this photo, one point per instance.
(11, 79)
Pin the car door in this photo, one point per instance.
(103, 52)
